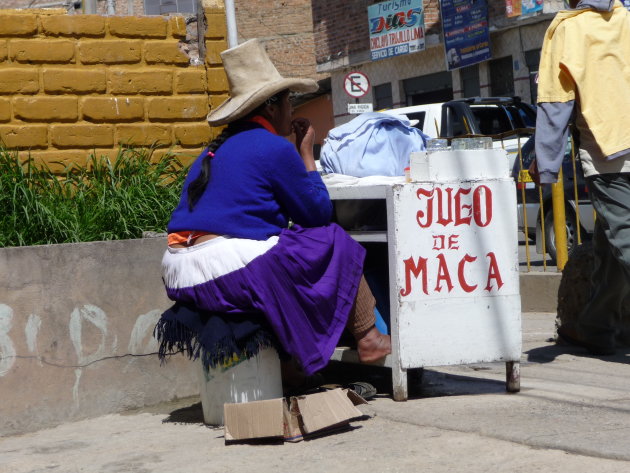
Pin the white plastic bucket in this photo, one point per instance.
(255, 379)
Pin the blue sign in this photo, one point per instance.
(529, 7)
(396, 28)
(466, 35)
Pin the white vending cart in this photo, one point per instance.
(453, 263)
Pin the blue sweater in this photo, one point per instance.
(257, 182)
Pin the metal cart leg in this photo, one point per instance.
(513, 376)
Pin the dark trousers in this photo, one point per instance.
(610, 281)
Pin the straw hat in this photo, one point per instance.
(252, 79)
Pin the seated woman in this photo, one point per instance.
(252, 231)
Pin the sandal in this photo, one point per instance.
(362, 388)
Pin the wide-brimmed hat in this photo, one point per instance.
(252, 79)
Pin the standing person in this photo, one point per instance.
(231, 249)
(584, 75)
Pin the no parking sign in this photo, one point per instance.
(356, 84)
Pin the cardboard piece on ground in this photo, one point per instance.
(304, 416)
(257, 419)
(326, 409)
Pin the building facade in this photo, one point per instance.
(342, 45)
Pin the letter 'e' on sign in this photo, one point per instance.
(356, 84)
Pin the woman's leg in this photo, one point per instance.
(371, 344)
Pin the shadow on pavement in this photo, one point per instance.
(549, 353)
(192, 414)
(422, 383)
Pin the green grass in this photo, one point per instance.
(104, 200)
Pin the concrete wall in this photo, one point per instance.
(71, 84)
(76, 324)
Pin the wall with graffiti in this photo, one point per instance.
(76, 324)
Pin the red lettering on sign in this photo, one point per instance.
(459, 220)
(412, 268)
(443, 275)
(485, 193)
(460, 273)
(465, 207)
(438, 242)
(419, 268)
(453, 242)
(493, 273)
(441, 220)
(429, 209)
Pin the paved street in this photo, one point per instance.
(572, 415)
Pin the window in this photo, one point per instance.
(501, 77)
(383, 96)
(469, 77)
(491, 120)
(432, 88)
(417, 116)
(161, 7)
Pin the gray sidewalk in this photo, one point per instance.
(572, 415)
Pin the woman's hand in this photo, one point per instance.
(304, 140)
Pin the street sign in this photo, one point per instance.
(356, 84)
(356, 108)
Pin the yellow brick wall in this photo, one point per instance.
(74, 84)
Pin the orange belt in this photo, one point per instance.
(184, 238)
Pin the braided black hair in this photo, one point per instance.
(198, 186)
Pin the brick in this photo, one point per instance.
(217, 28)
(19, 81)
(5, 110)
(4, 50)
(110, 51)
(73, 25)
(74, 80)
(18, 25)
(178, 108)
(137, 27)
(186, 156)
(164, 52)
(45, 109)
(112, 109)
(143, 135)
(24, 136)
(178, 26)
(217, 99)
(217, 80)
(82, 136)
(191, 81)
(41, 50)
(126, 81)
(58, 160)
(213, 49)
(192, 134)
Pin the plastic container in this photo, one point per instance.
(255, 379)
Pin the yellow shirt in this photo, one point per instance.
(586, 57)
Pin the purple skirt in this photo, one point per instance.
(303, 281)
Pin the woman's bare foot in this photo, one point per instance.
(372, 345)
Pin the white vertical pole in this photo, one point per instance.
(111, 7)
(230, 17)
(89, 7)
